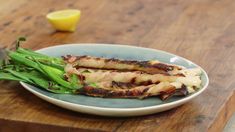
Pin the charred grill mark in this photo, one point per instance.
(122, 85)
(80, 57)
(163, 67)
(145, 90)
(167, 94)
(82, 79)
(65, 58)
(69, 58)
(111, 60)
(99, 92)
(146, 82)
(180, 75)
(115, 70)
(116, 94)
(89, 89)
(136, 93)
(170, 90)
(143, 63)
(130, 84)
(144, 66)
(182, 91)
(164, 96)
(133, 80)
(98, 58)
(66, 77)
(121, 61)
(123, 70)
(128, 93)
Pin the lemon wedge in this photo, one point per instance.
(64, 20)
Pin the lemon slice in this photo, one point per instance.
(64, 20)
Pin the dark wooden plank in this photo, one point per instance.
(200, 30)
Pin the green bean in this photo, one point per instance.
(45, 83)
(55, 75)
(34, 54)
(36, 79)
(30, 52)
(54, 62)
(75, 82)
(37, 69)
(50, 63)
(9, 76)
(18, 75)
(22, 60)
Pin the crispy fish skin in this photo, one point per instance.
(151, 67)
(163, 88)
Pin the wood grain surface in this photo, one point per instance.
(200, 30)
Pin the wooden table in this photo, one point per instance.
(200, 30)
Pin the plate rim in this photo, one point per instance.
(180, 101)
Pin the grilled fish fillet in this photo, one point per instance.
(151, 67)
(164, 88)
(135, 77)
(104, 77)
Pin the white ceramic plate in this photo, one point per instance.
(113, 106)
